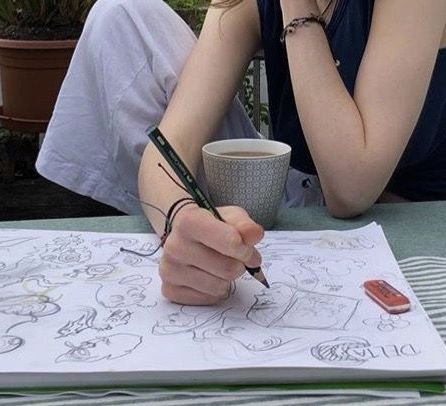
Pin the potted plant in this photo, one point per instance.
(37, 40)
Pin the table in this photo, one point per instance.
(416, 233)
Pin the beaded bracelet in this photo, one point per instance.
(301, 22)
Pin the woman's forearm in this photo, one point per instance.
(330, 119)
(203, 95)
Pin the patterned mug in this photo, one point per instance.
(250, 173)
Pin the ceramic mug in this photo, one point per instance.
(250, 173)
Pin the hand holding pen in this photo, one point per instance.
(203, 254)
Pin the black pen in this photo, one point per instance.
(192, 187)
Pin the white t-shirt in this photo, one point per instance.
(122, 75)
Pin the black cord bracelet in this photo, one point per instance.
(301, 22)
(171, 214)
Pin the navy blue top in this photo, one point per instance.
(421, 172)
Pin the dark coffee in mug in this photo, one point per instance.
(247, 154)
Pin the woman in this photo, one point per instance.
(362, 102)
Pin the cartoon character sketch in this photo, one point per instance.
(226, 337)
(189, 319)
(89, 320)
(286, 306)
(235, 340)
(101, 348)
(124, 293)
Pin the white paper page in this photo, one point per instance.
(73, 302)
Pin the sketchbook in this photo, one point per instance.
(76, 311)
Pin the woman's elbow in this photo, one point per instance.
(344, 206)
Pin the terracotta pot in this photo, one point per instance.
(31, 74)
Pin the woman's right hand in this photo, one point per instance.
(203, 255)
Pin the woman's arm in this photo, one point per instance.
(357, 142)
(202, 255)
(206, 88)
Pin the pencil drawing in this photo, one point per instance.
(338, 241)
(226, 337)
(354, 351)
(101, 348)
(68, 299)
(10, 343)
(93, 271)
(387, 322)
(124, 293)
(32, 307)
(114, 242)
(64, 250)
(285, 306)
(9, 242)
(328, 240)
(89, 320)
(189, 319)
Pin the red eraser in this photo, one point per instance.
(392, 300)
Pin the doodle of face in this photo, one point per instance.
(119, 317)
(174, 323)
(181, 321)
(130, 296)
(270, 304)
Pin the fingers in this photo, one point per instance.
(199, 283)
(222, 237)
(203, 255)
(176, 252)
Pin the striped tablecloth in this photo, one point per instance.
(426, 275)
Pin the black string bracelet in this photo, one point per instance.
(301, 22)
(171, 214)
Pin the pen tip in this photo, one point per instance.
(265, 283)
